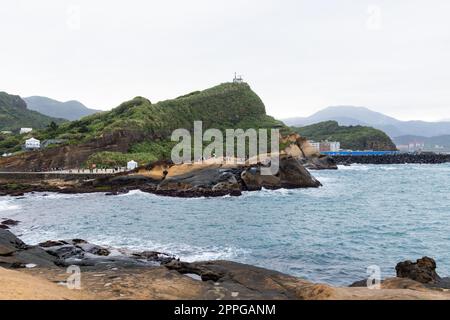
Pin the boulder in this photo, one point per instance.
(202, 179)
(16, 254)
(423, 270)
(294, 175)
(10, 222)
(291, 174)
(51, 243)
(254, 180)
(321, 162)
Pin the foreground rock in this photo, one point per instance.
(82, 253)
(16, 254)
(16, 285)
(107, 274)
(423, 271)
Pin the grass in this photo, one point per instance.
(15, 115)
(225, 106)
(350, 137)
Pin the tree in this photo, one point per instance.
(53, 126)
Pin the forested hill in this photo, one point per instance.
(350, 137)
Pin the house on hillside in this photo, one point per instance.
(131, 165)
(32, 144)
(25, 130)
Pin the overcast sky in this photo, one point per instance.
(299, 56)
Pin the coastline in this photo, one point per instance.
(154, 275)
(192, 181)
(167, 179)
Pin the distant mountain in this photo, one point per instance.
(70, 110)
(14, 114)
(350, 137)
(349, 115)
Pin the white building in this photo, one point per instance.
(237, 79)
(335, 146)
(32, 144)
(25, 130)
(131, 165)
(315, 145)
(326, 146)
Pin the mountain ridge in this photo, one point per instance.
(70, 110)
(351, 115)
(14, 114)
(140, 130)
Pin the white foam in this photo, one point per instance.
(8, 205)
(183, 251)
(355, 167)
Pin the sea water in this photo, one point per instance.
(363, 215)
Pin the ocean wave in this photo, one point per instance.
(356, 167)
(7, 205)
(56, 195)
(183, 251)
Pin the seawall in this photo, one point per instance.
(401, 158)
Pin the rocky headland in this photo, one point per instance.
(164, 178)
(40, 272)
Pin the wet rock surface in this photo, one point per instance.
(14, 253)
(321, 162)
(109, 273)
(82, 253)
(215, 180)
(423, 270)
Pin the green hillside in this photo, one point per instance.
(150, 125)
(14, 114)
(350, 137)
(225, 106)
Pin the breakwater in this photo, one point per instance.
(399, 158)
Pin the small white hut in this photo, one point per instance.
(25, 130)
(32, 143)
(131, 165)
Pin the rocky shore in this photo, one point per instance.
(185, 180)
(402, 158)
(40, 272)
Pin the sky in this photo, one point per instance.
(299, 56)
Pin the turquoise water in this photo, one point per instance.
(363, 215)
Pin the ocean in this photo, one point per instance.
(364, 215)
